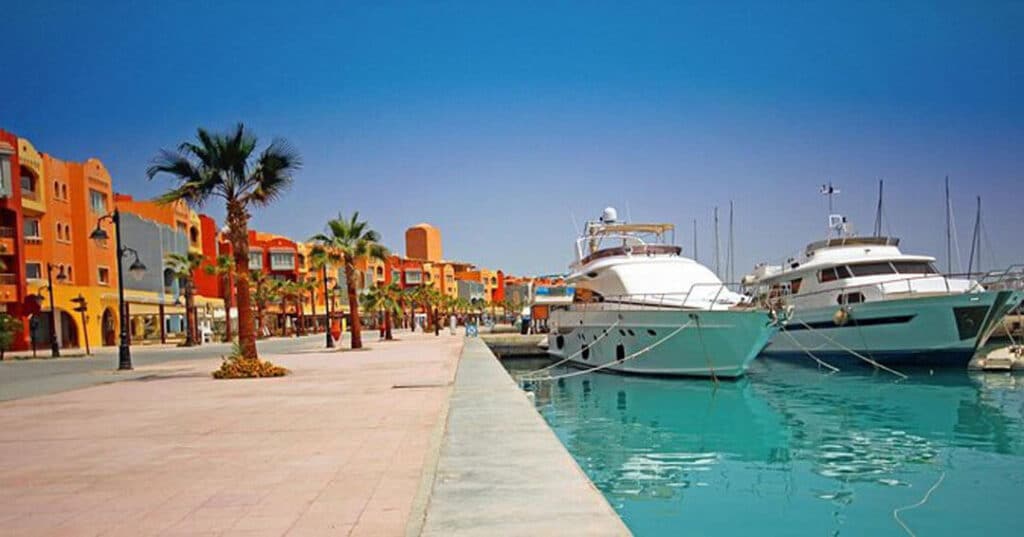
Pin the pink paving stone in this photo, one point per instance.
(333, 449)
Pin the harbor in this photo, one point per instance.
(479, 269)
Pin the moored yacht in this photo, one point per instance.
(863, 294)
(641, 307)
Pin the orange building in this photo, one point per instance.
(61, 204)
(423, 242)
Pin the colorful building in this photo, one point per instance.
(423, 242)
(13, 290)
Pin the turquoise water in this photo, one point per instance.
(792, 451)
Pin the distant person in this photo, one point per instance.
(452, 323)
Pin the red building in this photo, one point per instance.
(13, 291)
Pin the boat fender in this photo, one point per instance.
(841, 317)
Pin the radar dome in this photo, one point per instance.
(609, 215)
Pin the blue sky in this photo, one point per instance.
(498, 122)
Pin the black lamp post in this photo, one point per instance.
(137, 269)
(327, 309)
(61, 277)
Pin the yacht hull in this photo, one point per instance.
(935, 331)
(661, 342)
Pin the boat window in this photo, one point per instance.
(794, 286)
(850, 298)
(914, 267)
(827, 275)
(843, 272)
(871, 269)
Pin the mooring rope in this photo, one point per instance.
(707, 357)
(808, 352)
(573, 355)
(896, 512)
(617, 361)
(853, 352)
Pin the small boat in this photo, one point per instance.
(863, 296)
(640, 307)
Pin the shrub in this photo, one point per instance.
(237, 366)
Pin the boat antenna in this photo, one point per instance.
(718, 263)
(575, 225)
(629, 214)
(695, 239)
(975, 241)
(878, 211)
(829, 190)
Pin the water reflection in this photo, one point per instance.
(785, 439)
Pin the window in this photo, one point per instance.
(103, 275)
(282, 261)
(32, 228)
(827, 275)
(193, 235)
(850, 298)
(413, 276)
(256, 259)
(5, 175)
(794, 286)
(56, 190)
(871, 269)
(914, 267)
(380, 272)
(33, 270)
(97, 201)
(396, 276)
(28, 183)
(64, 191)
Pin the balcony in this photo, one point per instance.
(8, 287)
(7, 240)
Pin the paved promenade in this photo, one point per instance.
(336, 448)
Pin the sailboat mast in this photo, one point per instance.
(878, 211)
(949, 233)
(731, 265)
(718, 263)
(695, 239)
(975, 241)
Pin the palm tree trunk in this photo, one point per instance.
(227, 306)
(302, 317)
(353, 303)
(190, 318)
(238, 233)
(312, 307)
(387, 326)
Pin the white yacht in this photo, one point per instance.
(863, 294)
(641, 307)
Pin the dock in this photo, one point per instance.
(510, 345)
(1005, 358)
(501, 469)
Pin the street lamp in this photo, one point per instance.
(327, 308)
(61, 278)
(136, 269)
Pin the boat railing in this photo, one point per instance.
(1010, 278)
(706, 296)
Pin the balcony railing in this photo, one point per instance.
(8, 279)
(7, 232)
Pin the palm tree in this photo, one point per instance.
(393, 295)
(352, 239)
(409, 296)
(184, 266)
(374, 300)
(227, 166)
(264, 292)
(224, 267)
(308, 286)
(319, 259)
(290, 292)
